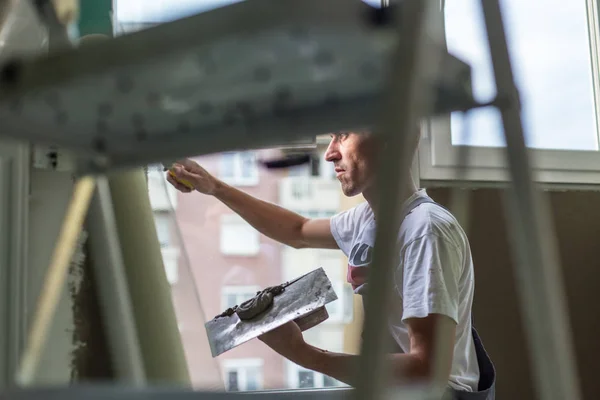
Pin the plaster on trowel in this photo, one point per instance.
(301, 300)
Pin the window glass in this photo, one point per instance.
(252, 379)
(306, 379)
(232, 380)
(247, 165)
(162, 222)
(223, 261)
(243, 374)
(160, 11)
(227, 170)
(550, 49)
(219, 260)
(329, 381)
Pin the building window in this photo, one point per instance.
(244, 374)
(306, 379)
(553, 45)
(302, 378)
(302, 189)
(236, 295)
(239, 168)
(238, 238)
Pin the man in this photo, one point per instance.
(433, 289)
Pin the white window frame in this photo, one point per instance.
(293, 371)
(438, 158)
(243, 292)
(237, 179)
(163, 196)
(171, 263)
(230, 219)
(241, 366)
(163, 217)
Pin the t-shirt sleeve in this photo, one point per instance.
(342, 228)
(430, 275)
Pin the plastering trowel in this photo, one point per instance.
(301, 300)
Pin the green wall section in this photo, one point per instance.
(95, 17)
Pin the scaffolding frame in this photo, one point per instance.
(536, 262)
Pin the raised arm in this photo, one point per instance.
(271, 220)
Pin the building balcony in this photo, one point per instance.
(307, 194)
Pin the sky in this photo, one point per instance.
(168, 10)
(549, 46)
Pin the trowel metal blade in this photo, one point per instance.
(309, 293)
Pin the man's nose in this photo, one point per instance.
(332, 153)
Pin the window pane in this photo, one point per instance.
(232, 300)
(163, 10)
(144, 11)
(161, 220)
(252, 377)
(315, 166)
(348, 294)
(306, 379)
(227, 169)
(232, 380)
(224, 261)
(550, 51)
(329, 381)
(248, 165)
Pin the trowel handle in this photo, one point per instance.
(313, 319)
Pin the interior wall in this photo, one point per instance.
(50, 194)
(496, 309)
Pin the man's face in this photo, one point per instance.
(353, 156)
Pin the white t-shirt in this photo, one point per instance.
(435, 275)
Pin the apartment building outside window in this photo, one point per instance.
(239, 168)
(302, 378)
(243, 375)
